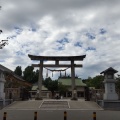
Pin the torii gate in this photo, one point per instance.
(57, 59)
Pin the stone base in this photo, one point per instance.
(5, 102)
(38, 98)
(2, 95)
(110, 96)
(74, 98)
(109, 105)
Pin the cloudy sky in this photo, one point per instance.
(61, 27)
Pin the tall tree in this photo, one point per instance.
(18, 71)
(28, 74)
(52, 85)
(35, 76)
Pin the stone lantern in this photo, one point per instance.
(109, 83)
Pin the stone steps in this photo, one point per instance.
(54, 104)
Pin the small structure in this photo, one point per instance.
(11, 86)
(79, 90)
(109, 82)
(45, 92)
(110, 99)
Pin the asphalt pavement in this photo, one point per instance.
(76, 110)
(52, 104)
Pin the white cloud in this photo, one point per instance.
(57, 27)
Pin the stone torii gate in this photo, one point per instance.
(57, 59)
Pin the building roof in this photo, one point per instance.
(12, 75)
(67, 81)
(35, 87)
(110, 69)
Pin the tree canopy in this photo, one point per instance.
(96, 81)
(18, 71)
(52, 85)
(29, 74)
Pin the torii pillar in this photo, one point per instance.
(74, 92)
(40, 80)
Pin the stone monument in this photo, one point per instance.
(2, 81)
(110, 99)
(109, 83)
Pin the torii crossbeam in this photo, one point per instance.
(57, 59)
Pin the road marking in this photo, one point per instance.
(41, 104)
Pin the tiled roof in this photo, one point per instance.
(13, 75)
(67, 81)
(35, 87)
(110, 69)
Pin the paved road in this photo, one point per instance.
(59, 115)
(54, 105)
(76, 110)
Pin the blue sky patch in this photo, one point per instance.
(90, 48)
(19, 53)
(2, 60)
(60, 48)
(78, 44)
(33, 30)
(18, 30)
(102, 31)
(63, 41)
(90, 36)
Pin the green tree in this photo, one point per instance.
(18, 71)
(62, 88)
(52, 85)
(35, 76)
(88, 82)
(96, 82)
(28, 74)
(118, 83)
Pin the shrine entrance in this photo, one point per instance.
(57, 59)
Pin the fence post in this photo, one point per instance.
(35, 115)
(65, 115)
(5, 115)
(94, 115)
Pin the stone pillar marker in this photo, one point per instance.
(2, 81)
(109, 83)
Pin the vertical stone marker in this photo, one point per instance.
(109, 83)
(2, 81)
